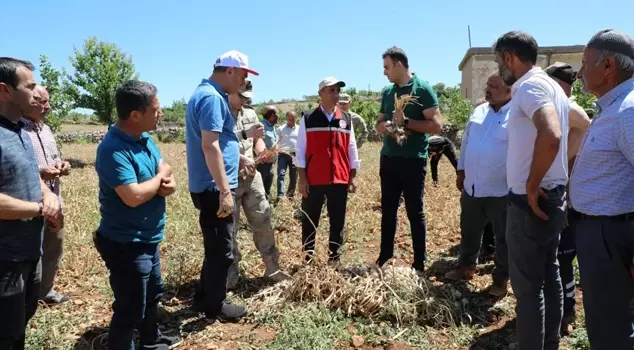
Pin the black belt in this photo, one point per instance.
(581, 216)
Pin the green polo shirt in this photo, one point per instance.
(415, 145)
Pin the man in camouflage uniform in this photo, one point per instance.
(357, 121)
(250, 191)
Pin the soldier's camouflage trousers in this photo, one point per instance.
(250, 196)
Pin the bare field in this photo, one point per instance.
(482, 323)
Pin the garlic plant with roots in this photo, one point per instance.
(396, 131)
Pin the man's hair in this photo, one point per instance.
(220, 69)
(520, 44)
(9, 67)
(497, 73)
(624, 63)
(133, 95)
(397, 54)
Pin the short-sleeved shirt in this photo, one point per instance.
(416, 144)
(45, 149)
(122, 160)
(208, 110)
(533, 91)
(270, 134)
(245, 119)
(20, 240)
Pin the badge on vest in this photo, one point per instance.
(343, 124)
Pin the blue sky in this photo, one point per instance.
(294, 44)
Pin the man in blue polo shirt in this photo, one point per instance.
(133, 184)
(25, 201)
(213, 161)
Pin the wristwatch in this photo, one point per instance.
(405, 122)
(244, 135)
(41, 210)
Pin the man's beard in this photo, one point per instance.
(506, 75)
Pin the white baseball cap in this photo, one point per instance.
(330, 81)
(234, 59)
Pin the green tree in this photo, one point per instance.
(583, 99)
(99, 68)
(454, 107)
(175, 114)
(439, 88)
(57, 86)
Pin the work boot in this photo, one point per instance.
(273, 271)
(498, 289)
(462, 273)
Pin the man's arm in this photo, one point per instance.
(579, 123)
(353, 152)
(432, 123)
(135, 194)
(214, 160)
(625, 137)
(363, 134)
(463, 146)
(547, 144)
(16, 209)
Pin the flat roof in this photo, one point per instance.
(542, 50)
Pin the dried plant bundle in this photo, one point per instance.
(398, 132)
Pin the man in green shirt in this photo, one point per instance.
(403, 167)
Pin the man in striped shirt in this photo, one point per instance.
(602, 192)
(52, 167)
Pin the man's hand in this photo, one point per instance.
(302, 186)
(247, 164)
(164, 169)
(168, 186)
(352, 185)
(460, 180)
(398, 117)
(225, 207)
(51, 205)
(63, 167)
(256, 131)
(533, 201)
(49, 172)
(55, 225)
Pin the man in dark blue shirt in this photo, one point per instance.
(133, 184)
(25, 203)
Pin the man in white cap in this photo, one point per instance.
(602, 192)
(213, 159)
(357, 121)
(327, 163)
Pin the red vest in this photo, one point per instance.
(327, 158)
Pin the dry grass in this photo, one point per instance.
(393, 309)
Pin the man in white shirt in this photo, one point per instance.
(287, 136)
(537, 174)
(482, 180)
(327, 162)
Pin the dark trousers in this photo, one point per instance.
(605, 248)
(488, 239)
(217, 238)
(19, 291)
(403, 176)
(435, 159)
(285, 161)
(137, 285)
(266, 170)
(534, 269)
(337, 198)
(475, 212)
(565, 255)
(53, 248)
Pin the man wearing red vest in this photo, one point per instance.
(327, 162)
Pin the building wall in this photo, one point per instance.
(478, 68)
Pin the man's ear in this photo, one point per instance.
(5, 91)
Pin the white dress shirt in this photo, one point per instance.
(288, 137)
(483, 152)
(300, 157)
(533, 91)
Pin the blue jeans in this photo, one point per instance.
(137, 285)
(285, 161)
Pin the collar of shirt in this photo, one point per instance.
(606, 100)
(502, 109)
(336, 114)
(5, 122)
(31, 125)
(216, 86)
(534, 71)
(128, 138)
